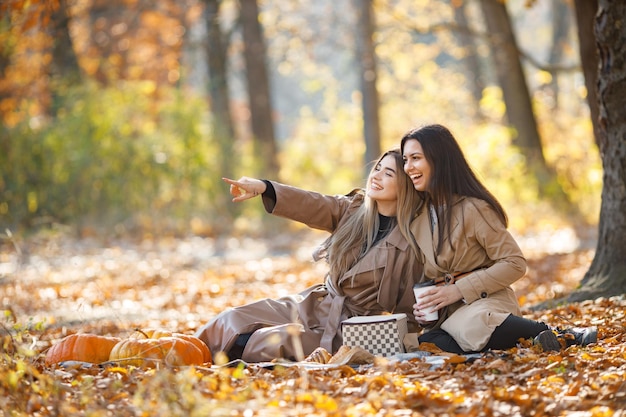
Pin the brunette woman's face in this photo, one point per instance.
(382, 185)
(416, 166)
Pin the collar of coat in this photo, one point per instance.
(420, 227)
(396, 239)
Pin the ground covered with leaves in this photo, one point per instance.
(54, 286)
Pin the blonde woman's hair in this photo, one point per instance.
(356, 235)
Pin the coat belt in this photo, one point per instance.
(332, 324)
(449, 278)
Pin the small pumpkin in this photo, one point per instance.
(84, 347)
(207, 358)
(172, 351)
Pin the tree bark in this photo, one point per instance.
(470, 55)
(607, 274)
(366, 61)
(258, 90)
(511, 78)
(222, 126)
(64, 69)
(6, 54)
(519, 108)
(560, 30)
(585, 14)
(64, 61)
(223, 129)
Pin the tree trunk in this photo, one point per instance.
(64, 69)
(366, 61)
(258, 90)
(607, 273)
(560, 30)
(223, 129)
(512, 80)
(470, 55)
(5, 51)
(99, 12)
(6, 55)
(519, 108)
(585, 14)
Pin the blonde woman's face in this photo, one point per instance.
(382, 185)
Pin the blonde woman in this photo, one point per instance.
(372, 262)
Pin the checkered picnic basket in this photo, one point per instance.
(381, 335)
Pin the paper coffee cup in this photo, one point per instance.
(418, 289)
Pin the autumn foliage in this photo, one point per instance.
(176, 286)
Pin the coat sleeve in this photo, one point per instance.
(503, 262)
(318, 211)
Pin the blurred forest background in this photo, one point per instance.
(120, 117)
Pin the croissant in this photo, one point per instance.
(347, 355)
(319, 355)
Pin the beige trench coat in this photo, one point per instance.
(379, 282)
(481, 244)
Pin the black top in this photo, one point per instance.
(385, 224)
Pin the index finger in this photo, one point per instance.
(229, 181)
(232, 182)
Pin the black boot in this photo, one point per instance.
(581, 336)
(547, 340)
(557, 339)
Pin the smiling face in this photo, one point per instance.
(382, 185)
(416, 166)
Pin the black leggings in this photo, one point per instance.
(504, 336)
(236, 351)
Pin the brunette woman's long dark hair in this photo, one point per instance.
(451, 175)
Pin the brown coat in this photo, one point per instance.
(379, 282)
(483, 245)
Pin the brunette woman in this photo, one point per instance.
(466, 249)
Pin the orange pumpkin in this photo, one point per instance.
(82, 347)
(207, 358)
(172, 351)
(150, 334)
